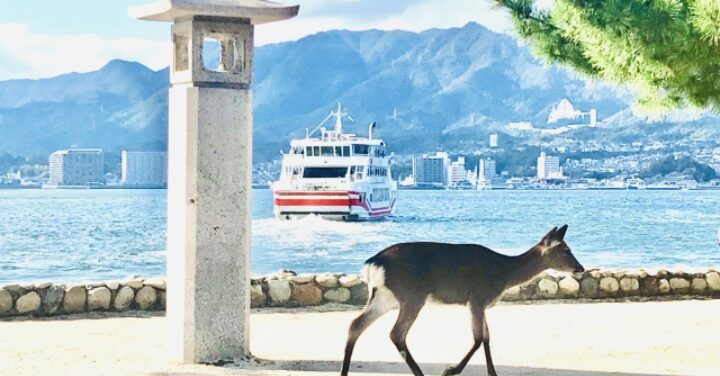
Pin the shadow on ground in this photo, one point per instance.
(258, 366)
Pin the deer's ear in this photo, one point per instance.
(549, 236)
(560, 234)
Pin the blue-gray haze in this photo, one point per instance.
(449, 88)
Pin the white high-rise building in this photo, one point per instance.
(431, 170)
(548, 167)
(144, 168)
(487, 169)
(493, 140)
(457, 172)
(76, 166)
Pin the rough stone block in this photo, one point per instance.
(569, 286)
(698, 285)
(74, 299)
(124, 298)
(134, 283)
(52, 300)
(156, 283)
(99, 298)
(279, 290)
(257, 296)
(302, 278)
(663, 286)
(349, 280)
(337, 295)
(629, 285)
(146, 297)
(42, 285)
(547, 287)
(27, 303)
(307, 295)
(280, 274)
(713, 281)
(589, 287)
(162, 299)
(679, 285)
(609, 285)
(6, 301)
(326, 280)
(648, 286)
(15, 290)
(358, 294)
(113, 285)
(619, 274)
(513, 293)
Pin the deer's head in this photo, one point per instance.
(555, 252)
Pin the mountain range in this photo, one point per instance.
(437, 89)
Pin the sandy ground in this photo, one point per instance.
(654, 338)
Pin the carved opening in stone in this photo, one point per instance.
(223, 53)
(211, 57)
(182, 52)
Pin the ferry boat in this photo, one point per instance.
(336, 175)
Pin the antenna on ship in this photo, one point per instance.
(338, 115)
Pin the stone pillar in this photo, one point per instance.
(209, 172)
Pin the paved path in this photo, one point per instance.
(656, 338)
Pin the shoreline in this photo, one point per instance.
(287, 289)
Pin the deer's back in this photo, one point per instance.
(448, 273)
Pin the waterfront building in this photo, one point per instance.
(493, 140)
(456, 172)
(431, 170)
(487, 169)
(548, 167)
(144, 168)
(76, 166)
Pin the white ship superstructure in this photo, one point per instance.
(336, 175)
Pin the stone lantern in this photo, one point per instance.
(209, 172)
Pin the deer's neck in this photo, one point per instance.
(524, 267)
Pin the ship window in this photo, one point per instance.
(338, 151)
(326, 150)
(359, 170)
(316, 151)
(324, 172)
(346, 151)
(309, 151)
(360, 149)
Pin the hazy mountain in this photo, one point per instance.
(438, 88)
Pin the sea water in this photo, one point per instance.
(77, 235)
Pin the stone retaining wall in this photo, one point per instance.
(288, 289)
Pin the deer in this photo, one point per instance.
(405, 276)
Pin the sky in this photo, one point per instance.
(45, 38)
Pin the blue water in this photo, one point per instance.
(73, 235)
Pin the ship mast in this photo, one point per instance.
(338, 115)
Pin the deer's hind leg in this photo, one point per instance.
(381, 301)
(480, 336)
